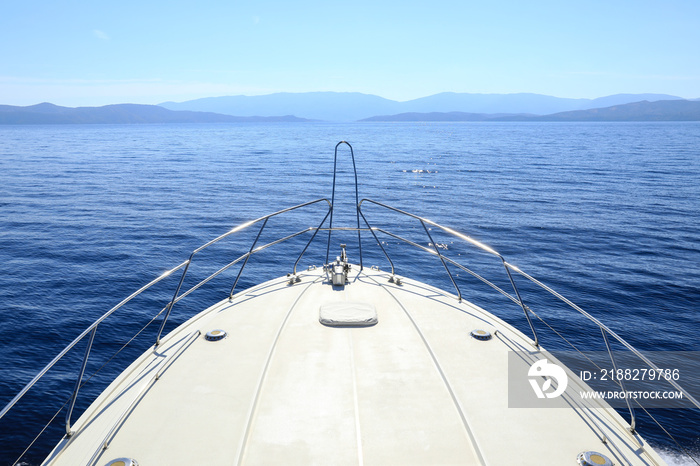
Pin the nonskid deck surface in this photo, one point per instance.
(282, 388)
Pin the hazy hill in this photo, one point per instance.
(665, 110)
(352, 106)
(493, 103)
(439, 116)
(329, 106)
(47, 113)
(536, 104)
(622, 99)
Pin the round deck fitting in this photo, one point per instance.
(122, 462)
(593, 458)
(482, 335)
(215, 335)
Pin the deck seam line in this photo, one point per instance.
(254, 406)
(465, 422)
(160, 367)
(358, 432)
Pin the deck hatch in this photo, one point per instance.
(348, 314)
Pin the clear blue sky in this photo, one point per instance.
(100, 52)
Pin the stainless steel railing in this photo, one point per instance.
(517, 298)
(184, 266)
(424, 222)
(431, 249)
(252, 249)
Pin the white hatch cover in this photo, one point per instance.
(348, 314)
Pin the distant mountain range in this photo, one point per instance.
(338, 106)
(352, 106)
(47, 113)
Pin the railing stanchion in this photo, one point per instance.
(250, 252)
(377, 240)
(74, 397)
(522, 304)
(174, 300)
(619, 379)
(459, 293)
(294, 270)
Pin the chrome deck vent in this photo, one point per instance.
(122, 462)
(593, 458)
(482, 335)
(215, 335)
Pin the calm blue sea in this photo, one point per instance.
(606, 213)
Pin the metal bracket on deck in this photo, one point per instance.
(339, 269)
(395, 280)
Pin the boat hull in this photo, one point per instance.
(414, 387)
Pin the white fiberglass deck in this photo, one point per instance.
(282, 388)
